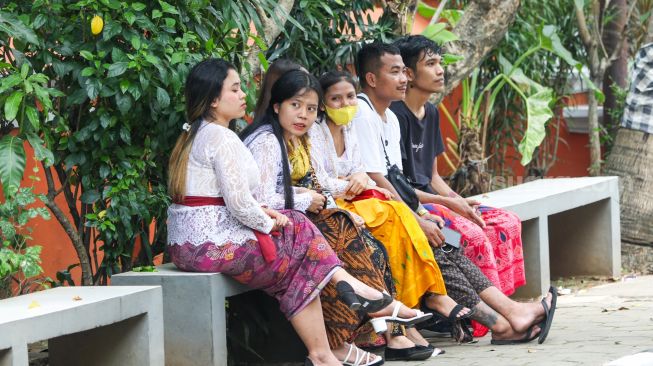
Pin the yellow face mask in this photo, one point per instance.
(341, 116)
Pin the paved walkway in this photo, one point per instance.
(594, 327)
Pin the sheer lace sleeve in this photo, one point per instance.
(319, 159)
(267, 153)
(232, 179)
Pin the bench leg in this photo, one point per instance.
(586, 240)
(129, 342)
(536, 258)
(15, 356)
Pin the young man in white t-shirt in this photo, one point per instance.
(382, 76)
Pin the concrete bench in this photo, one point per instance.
(193, 312)
(85, 326)
(570, 226)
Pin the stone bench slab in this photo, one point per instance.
(570, 226)
(85, 325)
(193, 312)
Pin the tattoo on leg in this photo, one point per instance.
(485, 315)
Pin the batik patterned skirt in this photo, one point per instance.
(356, 252)
(304, 264)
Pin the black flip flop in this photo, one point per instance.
(548, 320)
(415, 353)
(526, 339)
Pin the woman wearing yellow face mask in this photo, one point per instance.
(337, 159)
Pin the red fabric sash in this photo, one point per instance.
(369, 193)
(265, 242)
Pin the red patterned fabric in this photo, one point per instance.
(369, 193)
(268, 249)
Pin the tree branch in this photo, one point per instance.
(582, 26)
(436, 16)
(68, 227)
(622, 35)
(271, 29)
(480, 29)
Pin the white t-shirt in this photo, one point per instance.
(372, 132)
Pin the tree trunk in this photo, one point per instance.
(632, 160)
(471, 178)
(271, 30)
(617, 73)
(69, 228)
(481, 28)
(593, 125)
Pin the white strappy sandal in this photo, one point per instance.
(380, 325)
(369, 358)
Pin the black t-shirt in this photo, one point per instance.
(421, 142)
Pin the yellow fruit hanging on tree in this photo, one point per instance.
(96, 25)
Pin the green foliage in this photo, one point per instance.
(561, 39)
(105, 109)
(102, 111)
(324, 38)
(20, 265)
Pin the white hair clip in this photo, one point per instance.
(186, 127)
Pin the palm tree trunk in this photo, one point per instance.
(632, 160)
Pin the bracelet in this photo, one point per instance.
(422, 211)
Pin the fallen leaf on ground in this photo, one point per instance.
(564, 291)
(77, 298)
(34, 304)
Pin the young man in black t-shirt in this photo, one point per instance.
(419, 121)
(491, 247)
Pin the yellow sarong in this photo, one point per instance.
(413, 266)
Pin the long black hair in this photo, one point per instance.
(276, 69)
(290, 84)
(203, 86)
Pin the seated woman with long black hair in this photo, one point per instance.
(293, 105)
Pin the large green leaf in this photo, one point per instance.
(12, 104)
(538, 114)
(437, 32)
(551, 42)
(11, 26)
(41, 152)
(12, 162)
(425, 10)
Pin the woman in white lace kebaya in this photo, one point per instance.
(274, 141)
(337, 160)
(216, 225)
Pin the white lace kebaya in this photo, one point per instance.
(329, 167)
(267, 153)
(219, 165)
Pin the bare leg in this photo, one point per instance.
(342, 351)
(309, 325)
(359, 287)
(500, 326)
(416, 337)
(397, 342)
(443, 304)
(521, 315)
